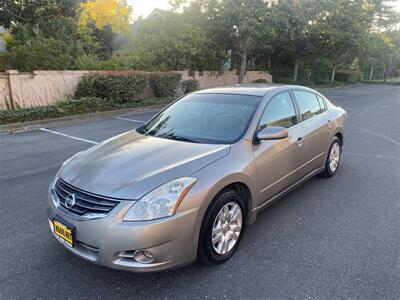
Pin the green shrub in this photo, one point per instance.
(67, 107)
(85, 86)
(92, 62)
(110, 64)
(260, 80)
(71, 107)
(88, 62)
(28, 114)
(322, 81)
(190, 85)
(354, 78)
(38, 54)
(342, 77)
(123, 88)
(83, 105)
(164, 84)
(285, 80)
(120, 88)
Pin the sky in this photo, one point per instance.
(145, 7)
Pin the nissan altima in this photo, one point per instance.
(184, 186)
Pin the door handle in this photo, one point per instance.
(300, 140)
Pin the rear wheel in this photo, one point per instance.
(222, 228)
(333, 158)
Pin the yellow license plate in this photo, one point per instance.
(63, 233)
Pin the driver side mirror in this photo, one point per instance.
(272, 133)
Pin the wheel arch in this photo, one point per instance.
(243, 186)
(340, 136)
(244, 192)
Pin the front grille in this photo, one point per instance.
(85, 203)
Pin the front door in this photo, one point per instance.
(278, 162)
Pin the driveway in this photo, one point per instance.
(336, 238)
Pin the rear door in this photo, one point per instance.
(315, 128)
(278, 162)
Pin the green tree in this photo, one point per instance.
(175, 41)
(371, 58)
(41, 54)
(343, 32)
(35, 11)
(391, 53)
(243, 20)
(29, 44)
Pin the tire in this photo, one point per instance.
(332, 167)
(220, 252)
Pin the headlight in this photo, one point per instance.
(52, 191)
(161, 202)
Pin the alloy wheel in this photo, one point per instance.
(227, 228)
(334, 157)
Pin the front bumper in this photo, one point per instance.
(111, 242)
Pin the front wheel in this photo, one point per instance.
(333, 158)
(222, 228)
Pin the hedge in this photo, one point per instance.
(29, 114)
(85, 87)
(260, 80)
(121, 88)
(190, 85)
(164, 84)
(125, 88)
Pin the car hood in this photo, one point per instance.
(130, 165)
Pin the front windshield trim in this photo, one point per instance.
(258, 100)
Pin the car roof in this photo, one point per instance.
(249, 89)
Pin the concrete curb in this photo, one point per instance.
(75, 119)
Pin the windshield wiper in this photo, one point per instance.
(142, 130)
(172, 136)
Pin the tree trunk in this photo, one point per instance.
(333, 74)
(269, 63)
(221, 67)
(371, 72)
(296, 64)
(243, 64)
(385, 74)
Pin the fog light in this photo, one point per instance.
(148, 254)
(143, 256)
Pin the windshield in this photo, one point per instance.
(204, 118)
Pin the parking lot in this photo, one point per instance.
(335, 238)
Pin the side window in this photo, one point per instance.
(308, 104)
(321, 103)
(279, 112)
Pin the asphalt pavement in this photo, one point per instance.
(334, 238)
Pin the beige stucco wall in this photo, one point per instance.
(42, 88)
(4, 91)
(39, 88)
(212, 79)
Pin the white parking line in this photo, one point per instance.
(69, 136)
(130, 120)
(387, 138)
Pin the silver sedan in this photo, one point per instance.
(184, 186)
